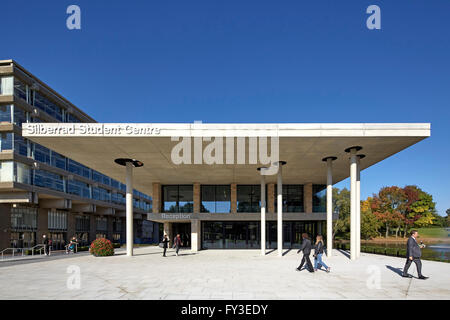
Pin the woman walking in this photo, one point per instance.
(318, 252)
(177, 243)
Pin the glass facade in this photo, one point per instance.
(249, 198)
(46, 179)
(215, 198)
(292, 198)
(247, 234)
(319, 198)
(19, 172)
(178, 198)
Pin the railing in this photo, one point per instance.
(22, 251)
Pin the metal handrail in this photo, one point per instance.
(42, 246)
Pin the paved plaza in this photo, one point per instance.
(218, 274)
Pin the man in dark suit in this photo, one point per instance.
(165, 242)
(306, 248)
(413, 254)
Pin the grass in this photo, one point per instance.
(433, 232)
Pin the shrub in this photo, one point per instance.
(101, 247)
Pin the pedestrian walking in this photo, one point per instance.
(318, 253)
(165, 242)
(413, 254)
(306, 248)
(46, 245)
(177, 243)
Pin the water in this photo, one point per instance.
(432, 250)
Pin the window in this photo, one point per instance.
(114, 183)
(319, 198)
(78, 188)
(6, 141)
(248, 198)
(5, 113)
(215, 199)
(20, 89)
(101, 194)
(20, 145)
(22, 173)
(118, 198)
(82, 223)
(20, 116)
(57, 220)
(6, 171)
(78, 168)
(71, 118)
(47, 106)
(178, 199)
(48, 180)
(101, 223)
(117, 225)
(6, 86)
(58, 160)
(292, 198)
(42, 154)
(23, 218)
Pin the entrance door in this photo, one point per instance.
(184, 230)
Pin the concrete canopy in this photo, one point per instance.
(303, 146)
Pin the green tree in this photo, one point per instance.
(426, 208)
(341, 205)
(370, 225)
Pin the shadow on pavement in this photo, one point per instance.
(398, 271)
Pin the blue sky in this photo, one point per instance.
(251, 61)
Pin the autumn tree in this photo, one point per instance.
(389, 206)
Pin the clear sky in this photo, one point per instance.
(251, 61)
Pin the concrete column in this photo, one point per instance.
(156, 198)
(5, 226)
(71, 221)
(308, 197)
(167, 227)
(263, 212)
(280, 209)
(197, 199)
(196, 241)
(233, 195)
(42, 224)
(329, 161)
(110, 228)
(92, 227)
(358, 205)
(129, 208)
(353, 171)
(271, 197)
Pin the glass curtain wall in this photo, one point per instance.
(215, 198)
(178, 198)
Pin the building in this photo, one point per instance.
(44, 192)
(217, 185)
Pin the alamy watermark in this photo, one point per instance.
(74, 279)
(222, 150)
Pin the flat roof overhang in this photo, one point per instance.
(303, 146)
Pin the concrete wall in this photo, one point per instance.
(233, 204)
(270, 197)
(156, 198)
(307, 197)
(42, 224)
(197, 198)
(5, 225)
